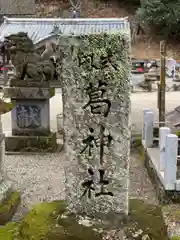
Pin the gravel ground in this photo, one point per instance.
(38, 178)
(140, 185)
(41, 178)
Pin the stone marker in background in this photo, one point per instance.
(17, 7)
(96, 105)
(30, 92)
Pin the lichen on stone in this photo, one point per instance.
(96, 61)
(49, 221)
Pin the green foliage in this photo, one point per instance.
(178, 133)
(134, 3)
(164, 15)
(46, 221)
(175, 238)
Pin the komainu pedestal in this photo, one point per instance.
(30, 120)
(29, 90)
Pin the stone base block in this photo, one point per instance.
(28, 93)
(31, 143)
(28, 83)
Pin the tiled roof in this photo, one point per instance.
(39, 29)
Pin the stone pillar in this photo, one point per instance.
(30, 120)
(148, 129)
(170, 161)
(163, 132)
(143, 124)
(96, 107)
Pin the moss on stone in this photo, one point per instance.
(141, 151)
(8, 206)
(148, 218)
(77, 231)
(177, 133)
(135, 141)
(38, 222)
(44, 222)
(5, 107)
(52, 92)
(10, 232)
(47, 221)
(31, 143)
(175, 238)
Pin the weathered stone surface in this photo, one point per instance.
(94, 117)
(30, 67)
(30, 121)
(34, 84)
(31, 117)
(17, 7)
(28, 93)
(31, 143)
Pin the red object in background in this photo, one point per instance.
(139, 69)
(3, 68)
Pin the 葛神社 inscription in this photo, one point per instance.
(96, 104)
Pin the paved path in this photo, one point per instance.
(149, 100)
(138, 78)
(138, 100)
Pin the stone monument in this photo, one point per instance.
(17, 7)
(96, 105)
(30, 93)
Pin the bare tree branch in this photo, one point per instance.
(77, 5)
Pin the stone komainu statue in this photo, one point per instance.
(29, 65)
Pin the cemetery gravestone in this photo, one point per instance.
(97, 133)
(30, 92)
(17, 7)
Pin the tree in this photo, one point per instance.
(164, 15)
